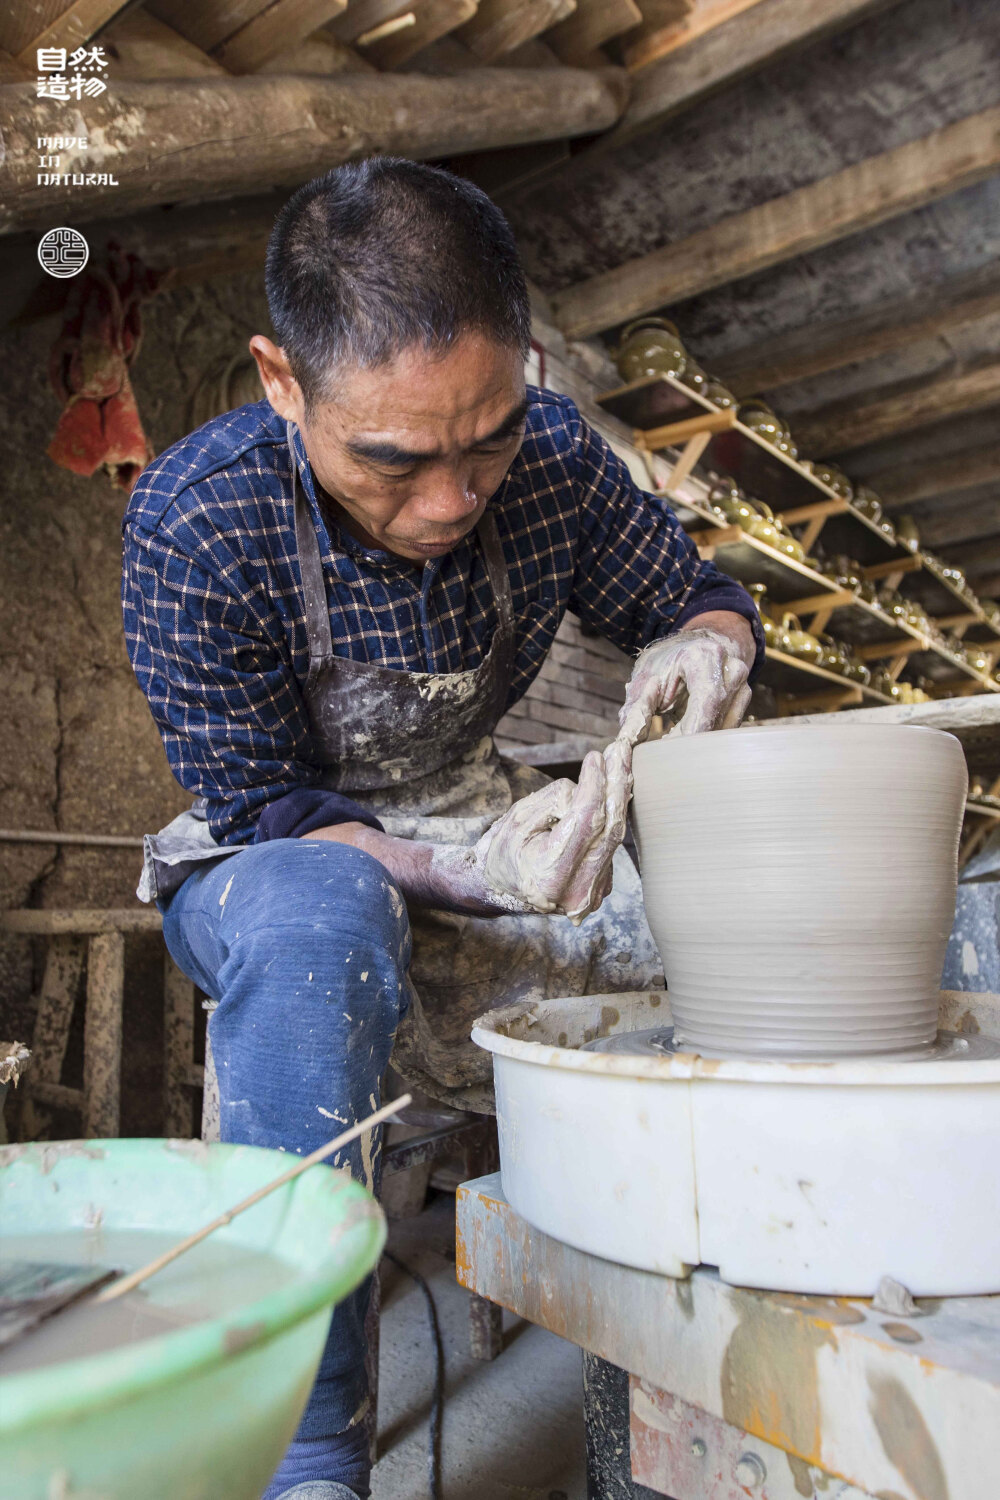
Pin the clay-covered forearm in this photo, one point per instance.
(436, 875)
(726, 622)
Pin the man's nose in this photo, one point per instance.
(446, 495)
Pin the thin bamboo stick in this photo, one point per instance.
(135, 1278)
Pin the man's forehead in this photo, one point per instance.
(472, 381)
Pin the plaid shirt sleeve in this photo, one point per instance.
(204, 648)
(638, 574)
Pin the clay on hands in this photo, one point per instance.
(552, 851)
(707, 663)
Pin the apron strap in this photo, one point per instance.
(496, 568)
(318, 631)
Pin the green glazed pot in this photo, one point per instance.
(650, 346)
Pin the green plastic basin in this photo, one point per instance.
(203, 1412)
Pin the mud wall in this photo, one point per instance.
(78, 748)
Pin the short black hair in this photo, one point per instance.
(383, 254)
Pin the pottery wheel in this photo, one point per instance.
(658, 1041)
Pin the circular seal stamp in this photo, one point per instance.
(63, 252)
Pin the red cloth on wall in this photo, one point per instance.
(100, 425)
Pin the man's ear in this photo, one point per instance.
(280, 386)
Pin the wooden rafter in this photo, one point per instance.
(846, 425)
(658, 18)
(809, 351)
(961, 523)
(500, 26)
(856, 198)
(207, 23)
(908, 483)
(976, 559)
(593, 23)
(72, 27)
(193, 138)
(320, 54)
(432, 19)
(273, 31)
(142, 46)
(704, 17)
(362, 16)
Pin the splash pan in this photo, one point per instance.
(789, 1176)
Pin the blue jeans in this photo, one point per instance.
(305, 946)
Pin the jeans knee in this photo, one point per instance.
(308, 895)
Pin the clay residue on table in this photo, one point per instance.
(769, 1379)
(905, 1438)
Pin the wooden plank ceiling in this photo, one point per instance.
(899, 373)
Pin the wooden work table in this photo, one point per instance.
(736, 1393)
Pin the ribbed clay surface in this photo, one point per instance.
(800, 884)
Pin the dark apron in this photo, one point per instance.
(416, 749)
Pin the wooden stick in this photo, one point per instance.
(135, 1278)
(690, 454)
(675, 432)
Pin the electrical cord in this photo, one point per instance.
(437, 1399)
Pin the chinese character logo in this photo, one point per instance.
(63, 252)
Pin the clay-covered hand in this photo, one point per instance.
(552, 851)
(711, 665)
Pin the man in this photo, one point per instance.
(330, 600)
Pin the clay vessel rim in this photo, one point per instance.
(777, 735)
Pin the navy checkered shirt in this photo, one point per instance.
(214, 618)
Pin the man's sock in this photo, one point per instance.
(342, 1457)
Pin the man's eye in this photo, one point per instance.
(494, 445)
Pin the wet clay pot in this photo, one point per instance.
(800, 884)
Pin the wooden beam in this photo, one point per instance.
(810, 351)
(500, 26)
(432, 19)
(593, 23)
(72, 28)
(974, 558)
(904, 484)
(321, 54)
(11, 71)
(274, 30)
(648, 47)
(961, 523)
(846, 425)
(188, 139)
(856, 198)
(142, 46)
(660, 19)
(701, 61)
(362, 16)
(208, 22)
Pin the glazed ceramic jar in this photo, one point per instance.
(762, 419)
(835, 479)
(800, 884)
(728, 501)
(650, 346)
(774, 634)
(907, 533)
(800, 642)
(867, 503)
(694, 376)
(718, 394)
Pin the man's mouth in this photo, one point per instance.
(437, 549)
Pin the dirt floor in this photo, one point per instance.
(513, 1428)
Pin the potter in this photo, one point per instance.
(331, 599)
(821, 933)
